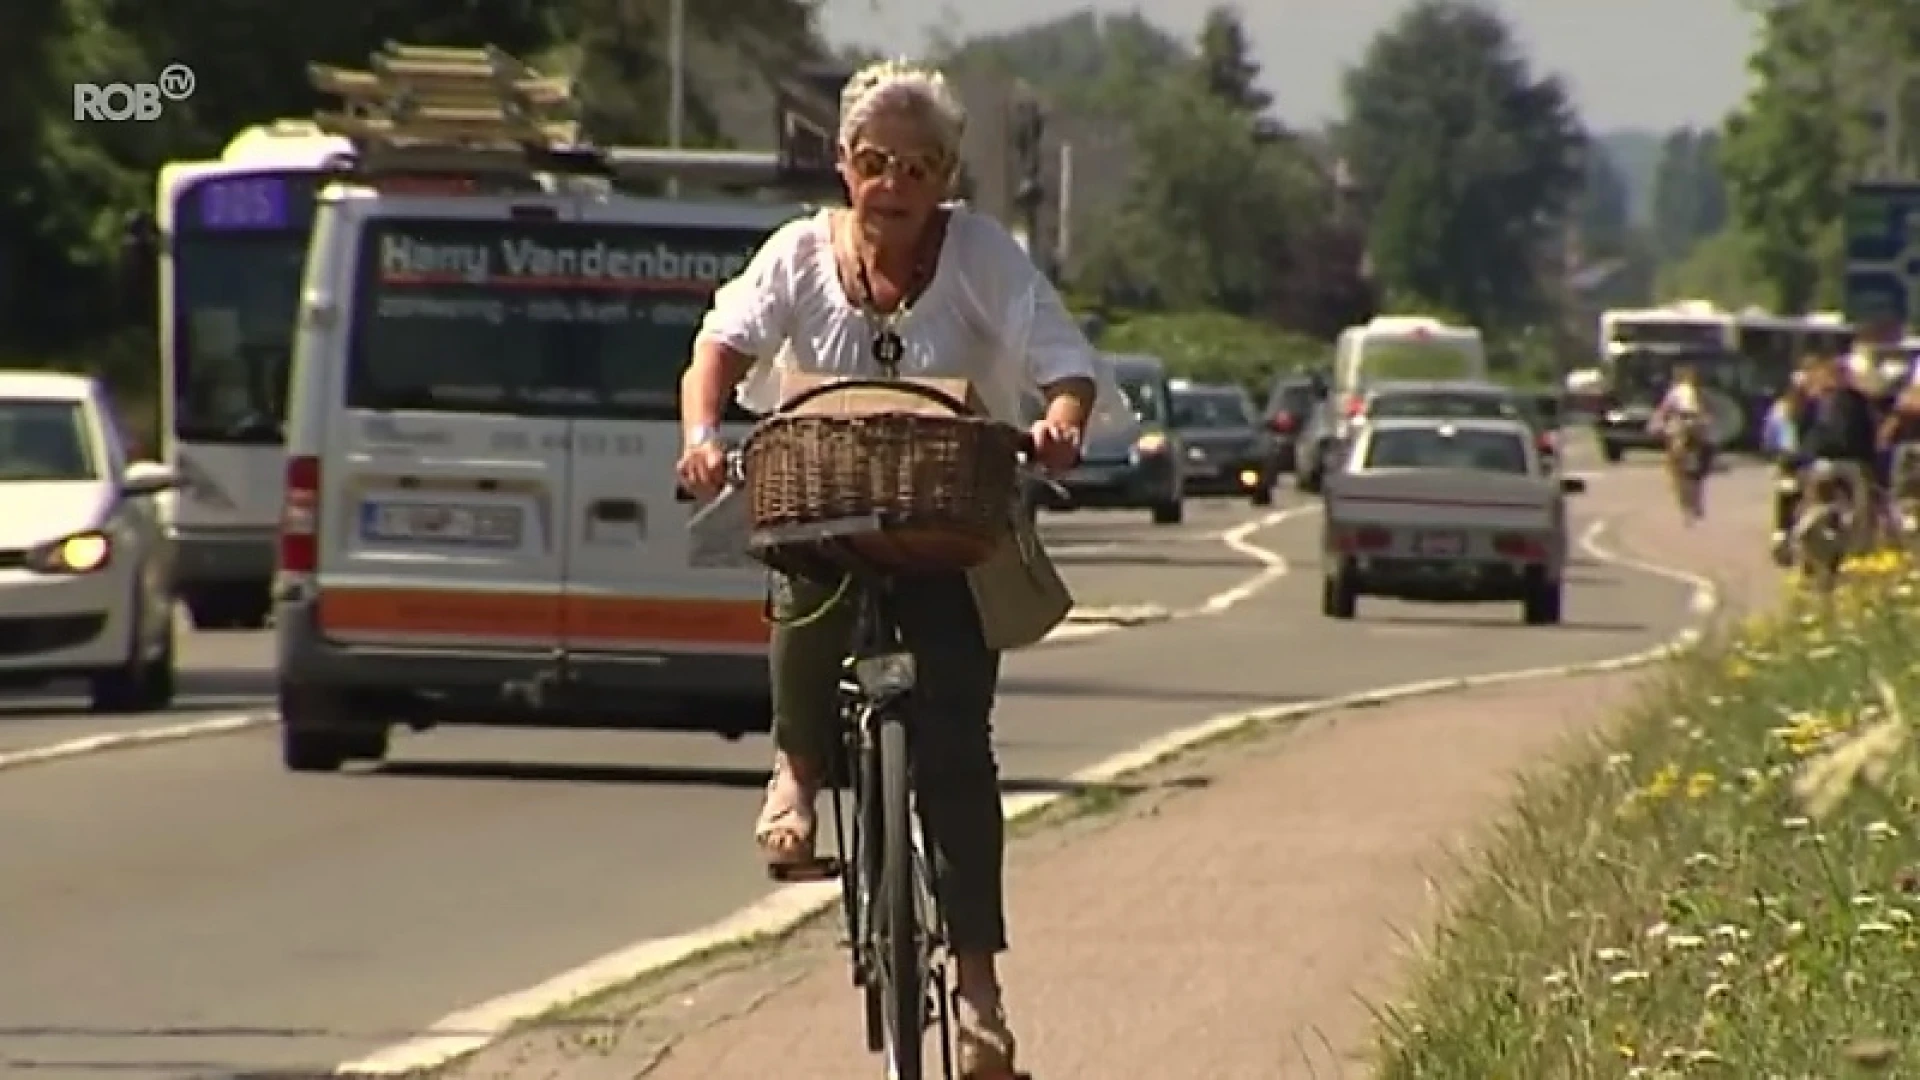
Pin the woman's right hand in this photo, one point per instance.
(702, 469)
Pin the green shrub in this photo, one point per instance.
(1213, 346)
(1711, 892)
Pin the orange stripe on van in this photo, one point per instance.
(605, 620)
(434, 611)
(599, 620)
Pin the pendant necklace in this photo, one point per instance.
(888, 346)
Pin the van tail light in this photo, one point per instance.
(1519, 547)
(300, 517)
(1355, 403)
(1280, 423)
(1366, 539)
(1544, 442)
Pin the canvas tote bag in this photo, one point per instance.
(1019, 592)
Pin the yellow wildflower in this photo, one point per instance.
(1664, 782)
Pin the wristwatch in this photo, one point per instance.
(703, 435)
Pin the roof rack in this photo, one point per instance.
(433, 109)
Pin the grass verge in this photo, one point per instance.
(1725, 886)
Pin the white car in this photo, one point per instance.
(1446, 511)
(86, 571)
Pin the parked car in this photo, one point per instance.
(86, 568)
(1228, 450)
(1138, 465)
(1290, 404)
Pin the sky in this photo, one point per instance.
(1654, 64)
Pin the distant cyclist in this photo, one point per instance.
(1900, 446)
(1681, 419)
(1843, 429)
(1780, 439)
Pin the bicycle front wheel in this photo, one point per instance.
(903, 989)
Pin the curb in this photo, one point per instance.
(789, 907)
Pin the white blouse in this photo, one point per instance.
(988, 316)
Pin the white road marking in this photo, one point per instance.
(117, 740)
(469, 1030)
(1068, 551)
(1273, 565)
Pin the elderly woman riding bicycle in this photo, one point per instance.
(953, 294)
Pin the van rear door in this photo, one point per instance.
(444, 482)
(635, 587)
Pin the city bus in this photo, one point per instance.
(1639, 351)
(232, 242)
(1744, 361)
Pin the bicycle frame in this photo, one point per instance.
(875, 695)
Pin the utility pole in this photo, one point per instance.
(1063, 233)
(1030, 192)
(676, 81)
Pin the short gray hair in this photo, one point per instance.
(900, 85)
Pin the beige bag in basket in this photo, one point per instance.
(1019, 592)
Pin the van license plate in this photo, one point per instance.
(1439, 545)
(439, 523)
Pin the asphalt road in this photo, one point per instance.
(1109, 558)
(188, 910)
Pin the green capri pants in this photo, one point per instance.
(957, 780)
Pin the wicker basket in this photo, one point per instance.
(891, 491)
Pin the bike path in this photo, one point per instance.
(1223, 925)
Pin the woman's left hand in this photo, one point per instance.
(1056, 447)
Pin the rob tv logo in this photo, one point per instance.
(120, 102)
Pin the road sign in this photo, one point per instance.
(1883, 256)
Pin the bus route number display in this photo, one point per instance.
(225, 204)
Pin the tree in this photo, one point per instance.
(1785, 156)
(1828, 79)
(1208, 211)
(67, 189)
(1227, 67)
(1689, 193)
(1469, 162)
(1603, 213)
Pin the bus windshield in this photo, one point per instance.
(1641, 376)
(1668, 332)
(236, 300)
(533, 318)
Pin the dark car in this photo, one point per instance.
(1290, 406)
(1138, 465)
(1461, 401)
(1228, 450)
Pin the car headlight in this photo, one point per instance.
(81, 553)
(1151, 443)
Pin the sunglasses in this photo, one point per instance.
(871, 163)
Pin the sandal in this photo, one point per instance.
(984, 1045)
(787, 830)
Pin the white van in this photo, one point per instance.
(1406, 347)
(482, 523)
